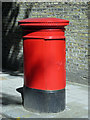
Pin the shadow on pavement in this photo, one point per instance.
(10, 99)
(13, 73)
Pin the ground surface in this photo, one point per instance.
(76, 100)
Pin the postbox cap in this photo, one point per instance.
(43, 22)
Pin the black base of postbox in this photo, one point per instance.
(48, 101)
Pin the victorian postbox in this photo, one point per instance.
(44, 64)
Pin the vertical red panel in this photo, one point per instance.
(44, 64)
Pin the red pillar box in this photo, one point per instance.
(44, 64)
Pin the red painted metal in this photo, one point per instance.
(44, 53)
(43, 20)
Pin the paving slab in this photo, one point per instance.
(76, 100)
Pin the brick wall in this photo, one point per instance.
(76, 34)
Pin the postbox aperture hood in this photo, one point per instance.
(44, 28)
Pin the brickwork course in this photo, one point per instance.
(76, 34)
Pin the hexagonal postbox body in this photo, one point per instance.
(44, 64)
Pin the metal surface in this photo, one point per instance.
(43, 22)
(44, 101)
(44, 53)
(44, 64)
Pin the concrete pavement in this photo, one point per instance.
(76, 100)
